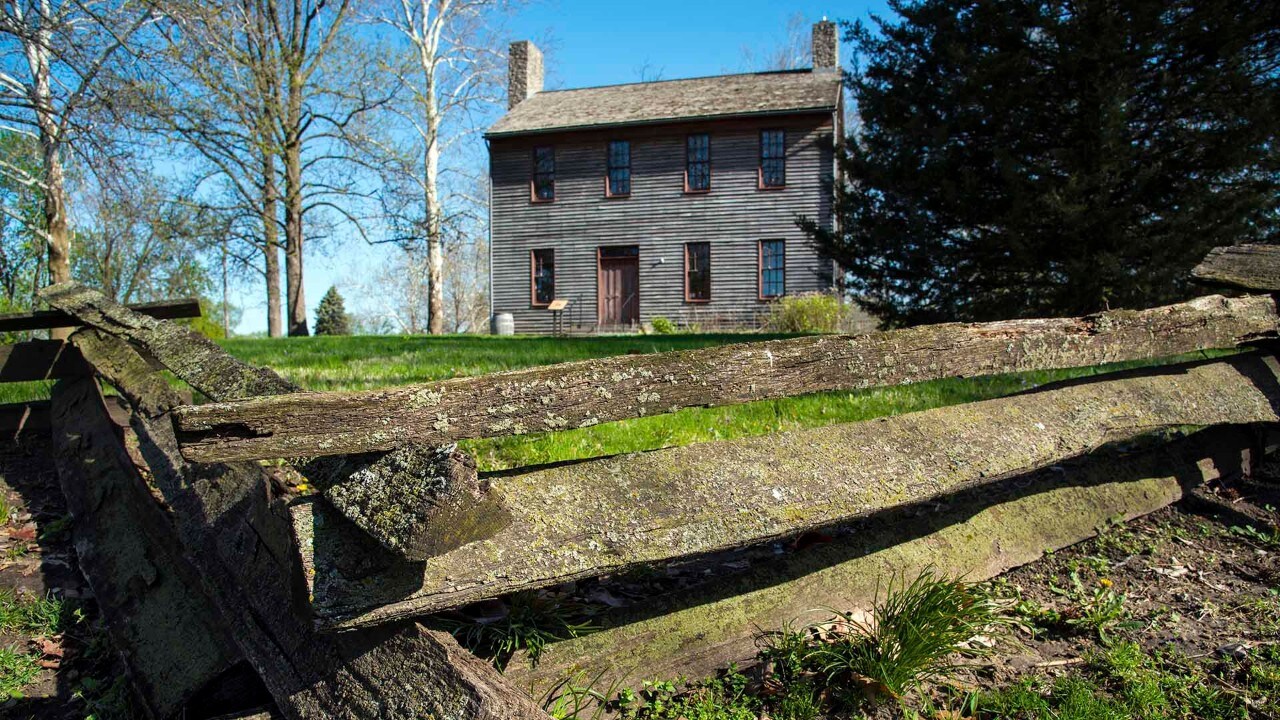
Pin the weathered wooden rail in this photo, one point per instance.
(404, 526)
(585, 393)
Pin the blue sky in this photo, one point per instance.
(595, 43)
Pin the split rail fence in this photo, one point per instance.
(215, 577)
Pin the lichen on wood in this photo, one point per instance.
(595, 517)
(232, 530)
(156, 612)
(585, 393)
(1250, 267)
(419, 501)
(190, 355)
(974, 535)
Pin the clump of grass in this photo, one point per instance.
(17, 670)
(32, 615)
(577, 697)
(531, 622)
(912, 634)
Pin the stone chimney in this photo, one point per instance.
(826, 46)
(524, 72)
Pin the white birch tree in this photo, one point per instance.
(451, 65)
(57, 63)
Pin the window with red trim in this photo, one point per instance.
(619, 181)
(773, 268)
(544, 276)
(544, 173)
(697, 271)
(773, 158)
(697, 158)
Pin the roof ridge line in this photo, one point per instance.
(793, 71)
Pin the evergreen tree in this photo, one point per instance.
(1042, 157)
(331, 316)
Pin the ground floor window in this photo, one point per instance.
(544, 276)
(773, 268)
(697, 271)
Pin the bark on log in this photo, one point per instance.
(976, 535)
(1251, 267)
(157, 614)
(585, 393)
(415, 516)
(238, 539)
(190, 355)
(595, 517)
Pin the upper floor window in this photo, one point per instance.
(618, 182)
(697, 158)
(544, 276)
(697, 271)
(544, 173)
(773, 158)
(773, 269)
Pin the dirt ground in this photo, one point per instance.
(79, 674)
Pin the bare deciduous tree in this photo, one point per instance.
(793, 51)
(56, 62)
(217, 91)
(451, 66)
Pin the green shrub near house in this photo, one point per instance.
(808, 313)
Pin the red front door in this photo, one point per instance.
(619, 285)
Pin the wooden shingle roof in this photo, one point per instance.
(766, 93)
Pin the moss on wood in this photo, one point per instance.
(595, 517)
(975, 535)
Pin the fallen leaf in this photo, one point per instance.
(51, 646)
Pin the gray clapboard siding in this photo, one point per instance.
(660, 218)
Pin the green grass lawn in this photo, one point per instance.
(348, 363)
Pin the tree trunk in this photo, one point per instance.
(293, 246)
(55, 192)
(435, 241)
(55, 212)
(271, 245)
(293, 201)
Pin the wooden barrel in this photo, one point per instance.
(502, 324)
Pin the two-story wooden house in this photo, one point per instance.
(674, 198)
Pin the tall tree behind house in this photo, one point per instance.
(1039, 157)
(450, 60)
(266, 94)
(217, 92)
(59, 61)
